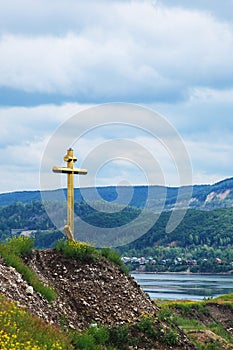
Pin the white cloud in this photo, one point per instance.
(29, 131)
(26, 124)
(141, 54)
(211, 96)
(174, 55)
(212, 158)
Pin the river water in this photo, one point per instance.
(184, 286)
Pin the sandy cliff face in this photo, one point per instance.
(213, 196)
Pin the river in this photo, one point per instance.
(184, 286)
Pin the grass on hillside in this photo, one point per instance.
(12, 253)
(190, 315)
(17, 247)
(20, 331)
(85, 252)
(226, 298)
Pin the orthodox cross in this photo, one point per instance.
(70, 171)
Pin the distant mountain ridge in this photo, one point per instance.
(204, 197)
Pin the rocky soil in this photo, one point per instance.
(223, 314)
(93, 292)
(96, 292)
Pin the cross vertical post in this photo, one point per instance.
(70, 171)
(70, 159)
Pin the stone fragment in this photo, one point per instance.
(29, 290)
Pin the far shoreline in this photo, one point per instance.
(181, 273)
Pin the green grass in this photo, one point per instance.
(224, 298)
(14, 249)
(20, 331)
(114, 257)
(218, 329)
(183, 313)
(76, 250)
(85, 252)
(188, 324)
(213, 345)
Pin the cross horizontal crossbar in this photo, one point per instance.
(69, 170)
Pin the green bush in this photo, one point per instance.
(84, 341)
(146, 325)
(119, 336)
(170, 338)
(76, 250)
(165, 314)
(20, 246)
(100, 334)
(92, 339)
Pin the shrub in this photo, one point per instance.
(20, 246)
(77, 250)
(119, 336)
(84, 341)
(114, 257)
(170, 338)
(92, 339)
(165, 314)
(146, 325)
(100, 334)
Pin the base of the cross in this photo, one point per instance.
(68, 232)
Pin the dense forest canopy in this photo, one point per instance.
(198, 228)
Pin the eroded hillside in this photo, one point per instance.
(88, 292)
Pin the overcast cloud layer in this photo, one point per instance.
(60, 57)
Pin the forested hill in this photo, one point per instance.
(212, 228)
(204, 197)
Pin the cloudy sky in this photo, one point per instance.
(58, 58)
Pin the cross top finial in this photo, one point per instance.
(70, 156)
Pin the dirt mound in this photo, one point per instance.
(91, 292)
(16, 289)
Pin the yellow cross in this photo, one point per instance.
(70, 171)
